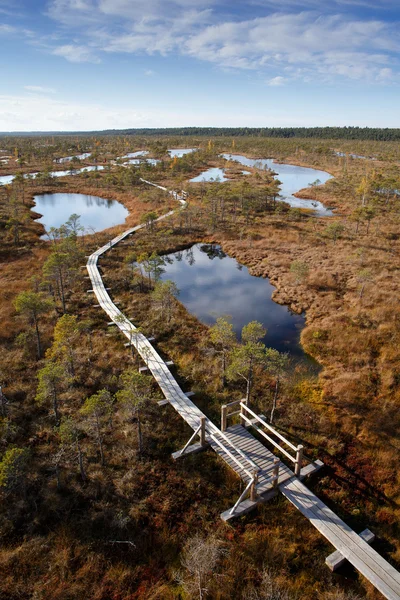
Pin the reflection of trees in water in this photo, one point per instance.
(61, 199)
(190, 256)
(96, 201)
(212, 251)
(178, 256)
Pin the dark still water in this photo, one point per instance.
(211, 284)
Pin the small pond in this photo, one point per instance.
(6, 179)
(211, 284)
(137, 161)
(75, 171)
(213, 174)
(360, 156)
(293, 179)
(69, 158)
(135, 154)
(179, 152)
(96, 213)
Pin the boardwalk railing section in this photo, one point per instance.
(250, 418)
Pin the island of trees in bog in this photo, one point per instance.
(92, 504)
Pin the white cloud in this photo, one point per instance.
(276, 81)
(149, 73)
(76, 54)
(39, 89)
(12, 30)
(316, 45)
(7, 29)
(296, 39)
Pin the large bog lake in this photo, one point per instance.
(212, 284)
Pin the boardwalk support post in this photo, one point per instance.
(203, 431)
(224, 414)
(277, 463)
(299, 460)
(243, 406)
(253, 489)
(337, 560)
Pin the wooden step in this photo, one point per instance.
(192, 449)
(311, 469)
(246, 506)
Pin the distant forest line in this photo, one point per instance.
(337, 133)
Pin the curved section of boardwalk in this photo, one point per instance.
(240, 450)
(156, 365)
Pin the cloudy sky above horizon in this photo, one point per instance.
(98, 64)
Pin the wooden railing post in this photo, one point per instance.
(277, 463)
(299, 460)
(224, 415)
(202, 431)
(243, 411)
(253, 489)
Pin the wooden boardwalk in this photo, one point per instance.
(253, 462)
(156, 365)
(366, 560)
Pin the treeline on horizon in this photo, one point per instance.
(337, 133)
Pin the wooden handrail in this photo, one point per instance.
(232, 403)
(279, 435)
(297, 459)
(273, 442)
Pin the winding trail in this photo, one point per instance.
(243, 465)
(250, 459)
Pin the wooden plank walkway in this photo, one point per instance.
(264, 459)
(357, 551)
(156, 365)
(240, 450)
(366, 560)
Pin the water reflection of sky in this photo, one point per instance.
(7, 179)
(135, 154)
(69, 158)
(213, 284)
(293, 179)
(96, 213)
(179, 152)
(211, 174)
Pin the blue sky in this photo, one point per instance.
(96, 64)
